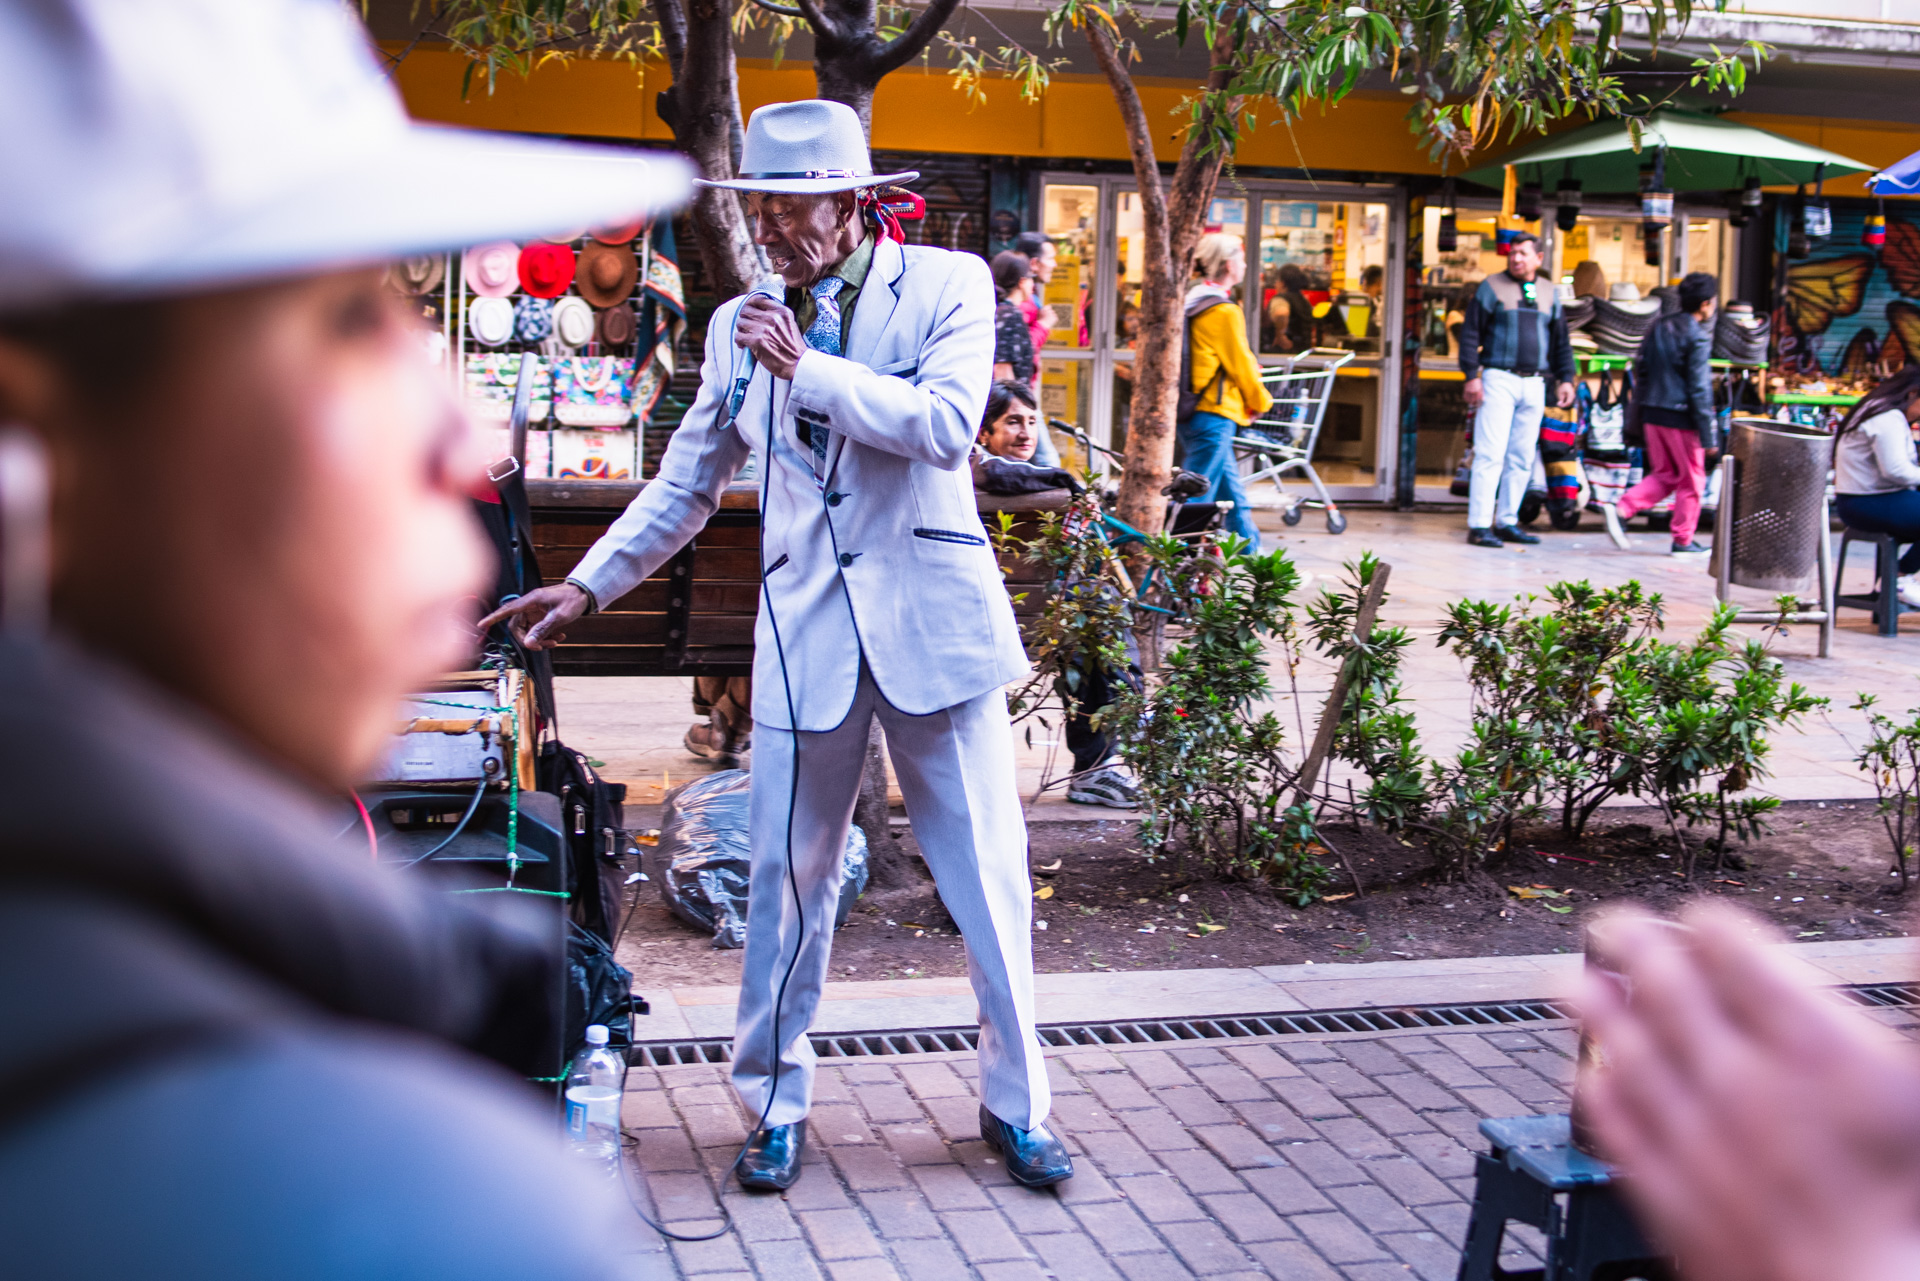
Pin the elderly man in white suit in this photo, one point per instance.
(860, 391)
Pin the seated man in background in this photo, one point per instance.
(1100, 777)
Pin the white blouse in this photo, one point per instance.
(1877, 457)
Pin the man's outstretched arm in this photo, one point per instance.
(704, 454)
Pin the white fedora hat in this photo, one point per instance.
(167, 146)
(573, 321)
(798, 148)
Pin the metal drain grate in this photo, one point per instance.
(1133, 1032)
(1411, 1018)
(1884, 995)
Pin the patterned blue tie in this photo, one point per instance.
(824, 335)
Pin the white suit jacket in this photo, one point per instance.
(883, 557)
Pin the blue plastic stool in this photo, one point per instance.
(1885, 601)
(1535, 1175)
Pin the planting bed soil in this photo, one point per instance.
(1822, 873)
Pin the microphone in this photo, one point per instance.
(766, 289)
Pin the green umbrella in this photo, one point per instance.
(1704, 153)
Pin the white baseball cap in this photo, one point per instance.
(167, 146)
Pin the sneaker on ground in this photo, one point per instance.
(1908, 585)
(1514, 534)
(1112, 785)
(1482, 538)
(1689, 549)
(1615, 530)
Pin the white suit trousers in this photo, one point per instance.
(1506, 433)
(956, 772)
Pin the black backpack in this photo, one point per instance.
(1189, 398)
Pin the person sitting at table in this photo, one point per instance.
(1874, 470)
(1100, 777)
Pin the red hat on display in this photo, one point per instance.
(546, 269)
(619, 233)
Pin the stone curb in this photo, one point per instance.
(688, 1012)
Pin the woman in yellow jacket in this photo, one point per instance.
(1226, 376)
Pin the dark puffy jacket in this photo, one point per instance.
(1671, 372)
(233, 1048)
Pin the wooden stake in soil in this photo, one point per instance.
(1330, 718)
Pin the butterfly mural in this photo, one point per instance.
(1821, 291)
(1828, 317)
(1861, 357)
(1903, 335)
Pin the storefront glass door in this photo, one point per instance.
(1314, 250)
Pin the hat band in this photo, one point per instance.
(809, 173)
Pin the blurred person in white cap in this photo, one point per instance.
(857, 384)
(233, 503)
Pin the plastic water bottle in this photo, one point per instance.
(593, 1102)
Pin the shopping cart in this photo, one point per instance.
(1282, 439)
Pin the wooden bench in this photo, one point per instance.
(695, 615)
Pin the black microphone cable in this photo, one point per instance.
(793, 801)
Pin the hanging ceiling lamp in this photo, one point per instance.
(1447, 239)
(1566, 201)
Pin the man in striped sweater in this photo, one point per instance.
(1514, 337)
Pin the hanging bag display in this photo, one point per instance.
(492, 377)
(593, 391)
(1606, 424)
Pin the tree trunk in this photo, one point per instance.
(703, 109)
(1171, 224)
(849, 57)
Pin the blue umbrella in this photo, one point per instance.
(1902, 178)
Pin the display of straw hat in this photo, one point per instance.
(573, 322)
(492, 270)
(606, 273)
(616, 326)
(1740, 336)
(418, 273)
(622, 233)
(545, 269)
(490, 321)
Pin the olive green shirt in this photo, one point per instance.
(852, 269)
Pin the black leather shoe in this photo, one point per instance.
(1482, 538)
(1034, 1157)
(772, 1160)
(1514, 534)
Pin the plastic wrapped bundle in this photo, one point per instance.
(702, 861)
(1740, 336)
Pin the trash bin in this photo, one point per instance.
(1771, 526)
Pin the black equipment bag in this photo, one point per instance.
(592, 824)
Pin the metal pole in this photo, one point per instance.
(1827, 604)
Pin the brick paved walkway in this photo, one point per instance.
(1292, 1157)
(1296, 1157)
